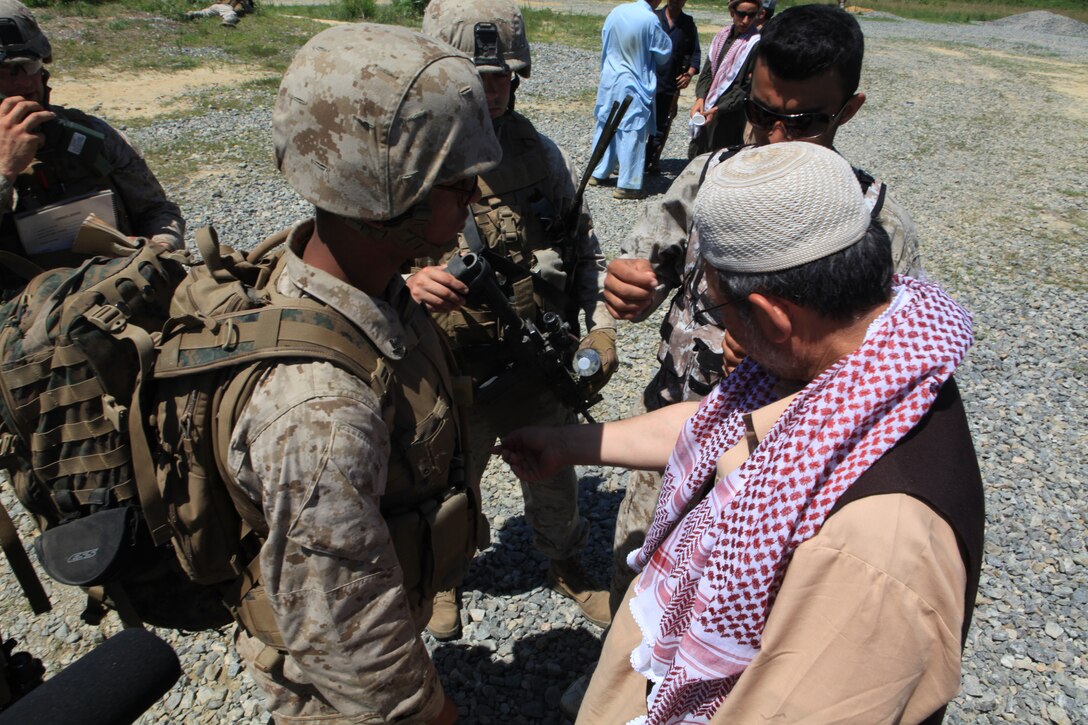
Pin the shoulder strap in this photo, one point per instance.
(239, 339)
(874, 190)
(19, 265)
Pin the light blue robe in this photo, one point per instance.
(633, 46)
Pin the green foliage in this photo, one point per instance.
(411, 8)
(356, 9)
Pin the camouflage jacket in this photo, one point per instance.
(691, 346)
(535, 178)
(143, 209)
(311, 447)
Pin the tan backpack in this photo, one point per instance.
(134, 506)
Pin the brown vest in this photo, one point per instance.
(936, 464)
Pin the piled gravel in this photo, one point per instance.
(979, 130)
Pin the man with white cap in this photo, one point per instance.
(816, 547)
(805, 82)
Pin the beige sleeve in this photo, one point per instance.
(906, 251)
(313, 441)
(661, 233)
(866, 626)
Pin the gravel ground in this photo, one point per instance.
(978, 130)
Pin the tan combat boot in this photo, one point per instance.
(445, 621)
(567, 577)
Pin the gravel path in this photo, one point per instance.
(979, 130)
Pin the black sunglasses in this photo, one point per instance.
(704, 311)
(797, 125)
(743, 14)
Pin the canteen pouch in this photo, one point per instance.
(450, 522)
(96, 549)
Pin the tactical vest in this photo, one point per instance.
(55, 176)
(512, 216)
(433, 513)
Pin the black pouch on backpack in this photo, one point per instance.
(96, 549)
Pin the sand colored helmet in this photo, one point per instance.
(474, 26)
(370, 117)
(20, 34)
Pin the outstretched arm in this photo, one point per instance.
(644, 442)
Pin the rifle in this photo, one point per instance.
(548, 350)
(611, 125)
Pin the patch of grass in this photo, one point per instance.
(353, 10)
(119, 39)
(578, 31)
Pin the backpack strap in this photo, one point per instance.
(238, 339)
(19, 265)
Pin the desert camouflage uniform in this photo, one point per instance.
(312, 449)
(691, 345)
(551, 506)
(144, 209)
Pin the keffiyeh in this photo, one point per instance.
(710, 578)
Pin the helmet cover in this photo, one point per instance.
(370, 117)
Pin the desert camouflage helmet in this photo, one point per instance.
(456, 21)
(370, 117)
(20, 34)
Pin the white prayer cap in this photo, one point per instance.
(779, 206)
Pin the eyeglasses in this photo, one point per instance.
(796, 125)
(742, 14)
(464, 188)
(704, 311)
(15, 67)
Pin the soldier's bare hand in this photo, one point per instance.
(697, 107)
(20, 137)
(629, 288)
(732, 353)
(534, 453)
(437, 289)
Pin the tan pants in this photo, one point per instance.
(551, 506)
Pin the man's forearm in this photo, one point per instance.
(644, 442)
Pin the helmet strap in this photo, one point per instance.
(407, 231)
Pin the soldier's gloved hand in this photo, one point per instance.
(603, 341)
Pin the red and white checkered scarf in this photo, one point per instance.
(703, 598)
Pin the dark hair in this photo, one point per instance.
(838, 286)
(807, 40)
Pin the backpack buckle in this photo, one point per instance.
(108, 318)
(7, 449)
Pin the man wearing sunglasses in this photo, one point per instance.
(804, 87)
(43, 163)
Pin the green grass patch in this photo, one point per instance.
(576, 31)
(115, 37)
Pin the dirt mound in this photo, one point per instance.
(1042, 21)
